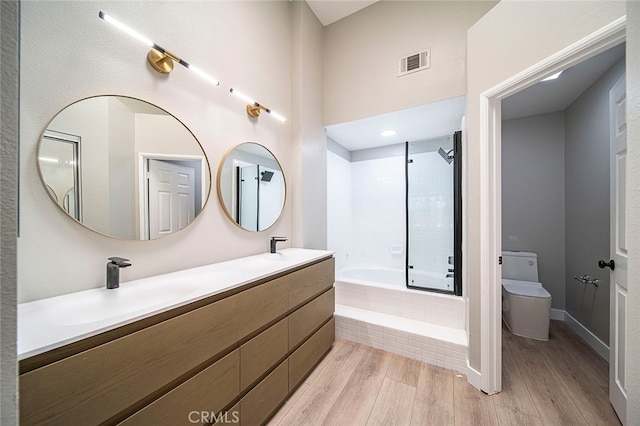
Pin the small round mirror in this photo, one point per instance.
(251, 186)
(124, 168)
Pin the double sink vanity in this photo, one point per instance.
(226, 342)
(235, 337)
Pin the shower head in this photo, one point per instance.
(448, 157)
(266, 176)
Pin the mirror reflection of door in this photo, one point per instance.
(248, 196)
(172, 200)
(60, 167)
(117, 134)
(259, 195)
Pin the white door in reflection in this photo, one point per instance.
(172, 197)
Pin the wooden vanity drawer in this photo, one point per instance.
(262, 352)
(311, 281)
(95, 385)
(200, 397)
(302, 361)
(309, 317)
(230, 416)
(261, 305)
(263, 400)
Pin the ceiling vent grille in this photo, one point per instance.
(415, 62)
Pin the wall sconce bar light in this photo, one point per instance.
(159, 58)
(254, 108)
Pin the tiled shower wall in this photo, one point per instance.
(366, 210)
(338, 208)
(378, 212)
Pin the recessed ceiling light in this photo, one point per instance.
(386, 133)
(553, 76)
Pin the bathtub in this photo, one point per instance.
(395, 278)
(374, 307)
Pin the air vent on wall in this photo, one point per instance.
(415, 62)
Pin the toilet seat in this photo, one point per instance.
(525, 288)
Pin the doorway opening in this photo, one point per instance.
(491, 143)
(555, 167)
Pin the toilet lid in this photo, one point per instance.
(525, 288)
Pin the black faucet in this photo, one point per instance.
(273, 242)
(113, 271)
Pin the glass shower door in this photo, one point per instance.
(430, 214)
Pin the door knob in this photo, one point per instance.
(611, 264)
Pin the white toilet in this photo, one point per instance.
(526, 305)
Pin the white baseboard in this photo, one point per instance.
(474, 378)
(591, 339)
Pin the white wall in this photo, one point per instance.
(339, 208)
(246, 45)
(535, 30)
(367, 207)
(378, 212)
(362, 51)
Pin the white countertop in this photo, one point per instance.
(50, 323)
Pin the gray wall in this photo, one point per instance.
(8, 209)
(555, 199)
(533, 193)
(587, 202)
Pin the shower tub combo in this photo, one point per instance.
(374, 307)
(415, 310)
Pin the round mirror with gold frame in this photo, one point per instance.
(251, 186)
(124, 168)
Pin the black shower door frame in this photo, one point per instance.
(457, 218)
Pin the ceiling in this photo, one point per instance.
(444, 118)
(558, 94)
(412, 124)
(330, 11)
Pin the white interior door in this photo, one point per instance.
(618, 332)
(171, 197)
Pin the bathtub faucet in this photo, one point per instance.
(274, 240)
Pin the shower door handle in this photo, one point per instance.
(611, 264)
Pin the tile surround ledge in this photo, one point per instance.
(53, 322)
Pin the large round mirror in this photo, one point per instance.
(251, 186)
(124, 168)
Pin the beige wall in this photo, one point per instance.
(362, 51)
(309, 143)
(246, 45)
(512, 37)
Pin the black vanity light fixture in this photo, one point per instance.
(162, 61)
(159, 58)
(254, 108)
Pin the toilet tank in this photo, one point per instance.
(520, 265)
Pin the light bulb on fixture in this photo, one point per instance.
(387, 133)
(254, 108)
(159, 58)
(552, 76)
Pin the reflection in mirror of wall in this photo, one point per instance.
(251, 187)
(124, 168)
